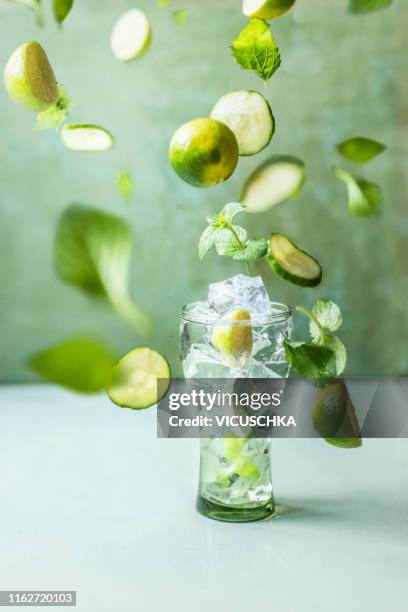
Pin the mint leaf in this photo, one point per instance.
(368, 6)
(328, 315)
(365, 198)
(254, 249)
(35, 6)
(180, 17)
(61, 9)
(336, 345)
(163, 3)
(360, 150)
(229, 241)
(255, 49)
(311, 361)
(80, 364)
(229, 212)
(92, 252)
(207, 241)
(124, 183)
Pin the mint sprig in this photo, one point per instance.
(256, 50)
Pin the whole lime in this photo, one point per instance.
(204, 152)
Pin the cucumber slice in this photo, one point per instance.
(266, 9)
(249, 116)
(131, 35)
(292, 264)
(135, 379)
(279, 179)
(84, 137)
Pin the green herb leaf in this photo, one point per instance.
(368, 6)
(124, 183)
(229, 241)
(311, 361)
(229, 212)
(92, 251)
(163, 3)
(61, 9)
(80, 364)
(180, 17)
(254, 249)
(255, 49)
(207, 240)
(360, 150)
(35, 6)
(55, 116)
(328, 315)
(365, 198)
(336, 345)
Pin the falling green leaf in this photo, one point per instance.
(255, 49)
(35, 6)
(311, 361)
(360, 150)
(365, 198)
(368, 6)
(163, 3)
(327, 315)
(92, 252)
(180, 17)
(124, 183)
(61, 9)
(84, 365)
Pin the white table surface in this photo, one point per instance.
(92, 501)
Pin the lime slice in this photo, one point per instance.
(277, 180)
(266, 9)
(131, 35)
(84, 137)
(292, 264)
(204, 152)
(136, 379)
(29, 78)
(249, 116)
(233, 338)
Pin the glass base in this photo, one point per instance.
(235, 514)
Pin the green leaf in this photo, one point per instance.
(35, 6)
(163, 3)
(328, 315)
(61, 9)
(228, 242)
(124, 183)
(337, 347)
(207, 241)
(254, 249)
(365, 198)
(229, 212)
(80, 364)
(54, 117)
(255, 49)
(92, 251)
(368, 6)
(360, 150)
(311, 361)
(180, 17)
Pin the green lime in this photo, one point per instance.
(266, 9)
(204, 152)
(29, 78)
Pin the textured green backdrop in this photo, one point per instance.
(341, 76)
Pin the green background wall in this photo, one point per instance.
(341, 76)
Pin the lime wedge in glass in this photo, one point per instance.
(29, 78)
(131, 35)
(86, 137)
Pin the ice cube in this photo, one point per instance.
(237, 292)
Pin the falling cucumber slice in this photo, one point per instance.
(266, 9)
(140, 379)
(292, 264)
(277, 180)
(249, 116)
(131, 35)
(84, 137)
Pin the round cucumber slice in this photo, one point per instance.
(266, 9)
(249, 116)
(291, 263)
(135, 379)
(84, 137)
(131, 35)
(278, 179)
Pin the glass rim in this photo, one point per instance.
(284, 314)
